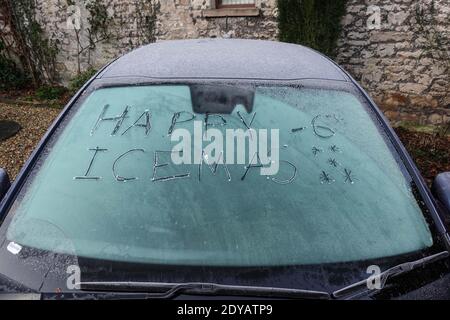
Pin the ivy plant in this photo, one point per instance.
(313, 23)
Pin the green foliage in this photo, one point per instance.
(50, 92)
(78, 81)
(11, 77)
(313, 23)
(99, 21)
(436, 44)
(147, 12)
(36, 52)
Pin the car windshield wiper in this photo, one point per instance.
(170, 290)
(362, 286)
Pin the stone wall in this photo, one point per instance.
(185, 19)
(8, 39)
(175, 19)
(389, 59)
(68, 24)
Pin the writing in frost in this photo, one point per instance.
(210, 147)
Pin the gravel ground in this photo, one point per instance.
(431, 152)
(34, 121)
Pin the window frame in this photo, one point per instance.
(219, 5)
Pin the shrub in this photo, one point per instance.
(11, 77)
(78, 81)
(313, 23)
(50, 92)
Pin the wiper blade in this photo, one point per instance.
(362, 287)
(170, 290)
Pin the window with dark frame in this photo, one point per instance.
(235, 3)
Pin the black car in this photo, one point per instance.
(320, 200)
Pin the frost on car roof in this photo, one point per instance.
(224, 59)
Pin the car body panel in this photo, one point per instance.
(224, 59)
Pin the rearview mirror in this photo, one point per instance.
(4, 183)
(441, 189)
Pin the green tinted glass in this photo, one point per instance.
(348, 201)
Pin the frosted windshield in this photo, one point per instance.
(339, 194)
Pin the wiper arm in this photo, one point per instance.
(362, 287)
(169, 290)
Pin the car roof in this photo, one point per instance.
(224, 59)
